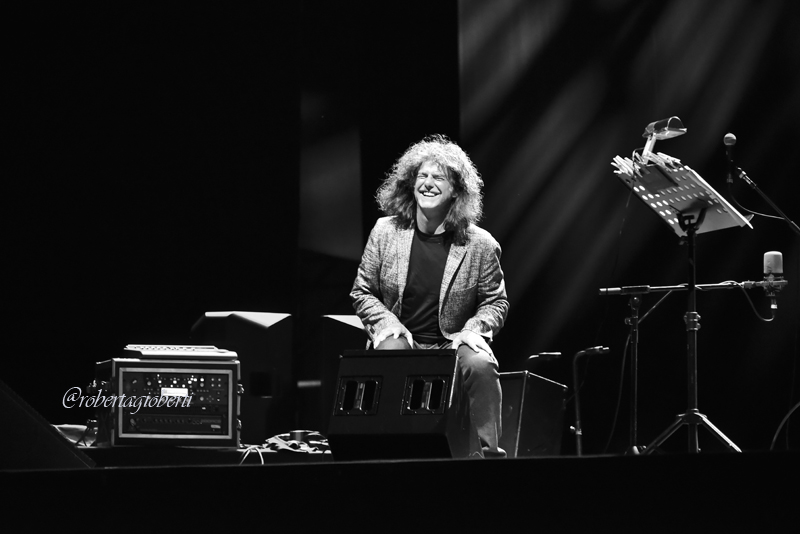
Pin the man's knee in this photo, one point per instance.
(477, 361)
(390, 343)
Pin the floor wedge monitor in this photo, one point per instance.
(399, 404)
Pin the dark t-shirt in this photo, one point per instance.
(421, 296)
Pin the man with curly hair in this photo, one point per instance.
(430, 278)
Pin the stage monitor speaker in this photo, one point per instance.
(30, 442)
(339, 333)
(533, 414)
(399, 404)
(263, 343)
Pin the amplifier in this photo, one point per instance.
(533, 414)
(141, 401)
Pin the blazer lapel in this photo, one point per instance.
(403, 254)
(454, 259)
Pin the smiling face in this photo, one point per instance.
(432, 190)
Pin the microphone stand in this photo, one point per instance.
(576, 388)
(752, 184)
(633, 322)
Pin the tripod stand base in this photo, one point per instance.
(693, 419)
(635, 450)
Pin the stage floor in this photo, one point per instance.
(750, 492)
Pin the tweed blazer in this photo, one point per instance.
(473, 292)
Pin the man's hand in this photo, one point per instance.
(395, 332)
(474, 341)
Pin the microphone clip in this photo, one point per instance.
(772, 285)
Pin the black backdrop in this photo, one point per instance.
(154, 176)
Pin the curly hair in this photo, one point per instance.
(395, 196)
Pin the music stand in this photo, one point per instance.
(690, 206)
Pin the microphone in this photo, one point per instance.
(729, 141)
(544, 356)
(773, 272)
(773, 277)
(593, 351)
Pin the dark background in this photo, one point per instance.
(167, 161)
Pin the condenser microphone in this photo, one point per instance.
(773, 272)
(729, 141)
